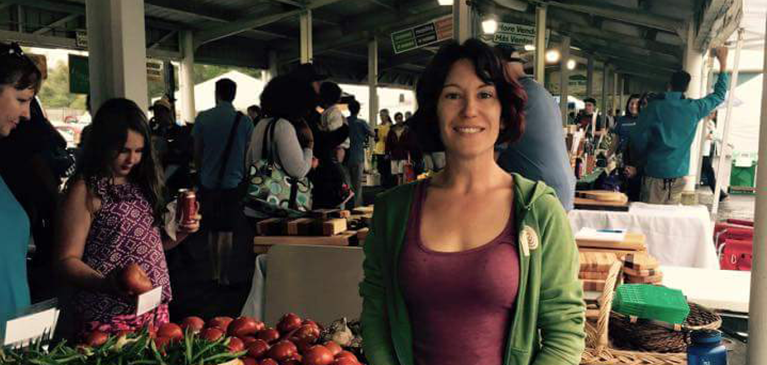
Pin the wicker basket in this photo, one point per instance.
(598, 350)
(654, 337)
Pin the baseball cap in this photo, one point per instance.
(163, 102)
(307, 72)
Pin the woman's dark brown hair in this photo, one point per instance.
(490, 69)
(17, 69)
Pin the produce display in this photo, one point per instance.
(221, 340)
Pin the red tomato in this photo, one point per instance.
(243, 326)
(344, 361)
(212, 334)
(258, 348)
(306, 331)
(170, 330)
(195, 324)
(283, 350)
(247, 340)
(162, 342)
(289, 322)
(220, 322)
(247, 360)
(318, 355)
(348, 355)
(268, 361)
(97, 338)
(333, 347)
(235, 345)
(270, 335)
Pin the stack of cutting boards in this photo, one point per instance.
(630, 244)
(642, 268)
(322, 227)
(594, 269)
(601, 200)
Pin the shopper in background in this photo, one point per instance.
(19, 83)
(709, 152)
(332, 118)
(379, 151)
(541, 153)
(359, 135)
(623, 129)
(221, 137)
(254, 113)
(399, 145)
(286, 103)
(665, 131)
(585, 118)
(113, 216)
(473, 248)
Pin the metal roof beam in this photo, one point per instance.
(186, 9)
(719, 21)
(55, 24)
(252, 21)
(624, 14)
(163, 39)
(383, 4)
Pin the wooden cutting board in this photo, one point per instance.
(655, 279)
(348, 238)
(640, 261)
(595, 275)
(634, 272)
(596, 261)
(631, 242)
(593, 285)
(603, 196)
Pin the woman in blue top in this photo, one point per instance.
(19, 82)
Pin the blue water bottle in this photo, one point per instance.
(706, 349)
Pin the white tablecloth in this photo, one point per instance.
(676, 235)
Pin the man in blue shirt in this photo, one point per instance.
(359, 135)
(665, 130)
(211, 132)
(541, 152)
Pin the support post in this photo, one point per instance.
(590, 77)
(273, 65)
(693, 65)
(605, 86)
(117, 51)
(462, 20)
(540, 44)
(373, 82)
(306, 37)
(564, 77)
(757, 306)
(614, 93)
(728, 122)
(186, 76)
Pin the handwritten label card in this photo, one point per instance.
(149, 301)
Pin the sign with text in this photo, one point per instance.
(517, 34)
(37, 323)
(81, 39)
(422, 35)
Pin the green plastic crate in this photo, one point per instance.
(743, 175)
(651, 302)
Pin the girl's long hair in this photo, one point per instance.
(109, 132)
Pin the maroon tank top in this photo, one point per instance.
(460, 303)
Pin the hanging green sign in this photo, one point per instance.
(79, 82)
(422, 35)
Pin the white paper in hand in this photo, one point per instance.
(149, 301)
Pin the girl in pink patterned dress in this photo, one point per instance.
(112, 216)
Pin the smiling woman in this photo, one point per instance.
(473, 247)
(19, 82)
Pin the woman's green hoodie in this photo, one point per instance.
(548, 321)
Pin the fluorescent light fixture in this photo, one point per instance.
(489, 26)
(571, 64)
(529, 47)
(445, 2)
(552, 56)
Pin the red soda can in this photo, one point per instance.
(186, 205)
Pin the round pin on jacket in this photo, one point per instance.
(530, 237)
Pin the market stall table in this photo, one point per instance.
(676, 235)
